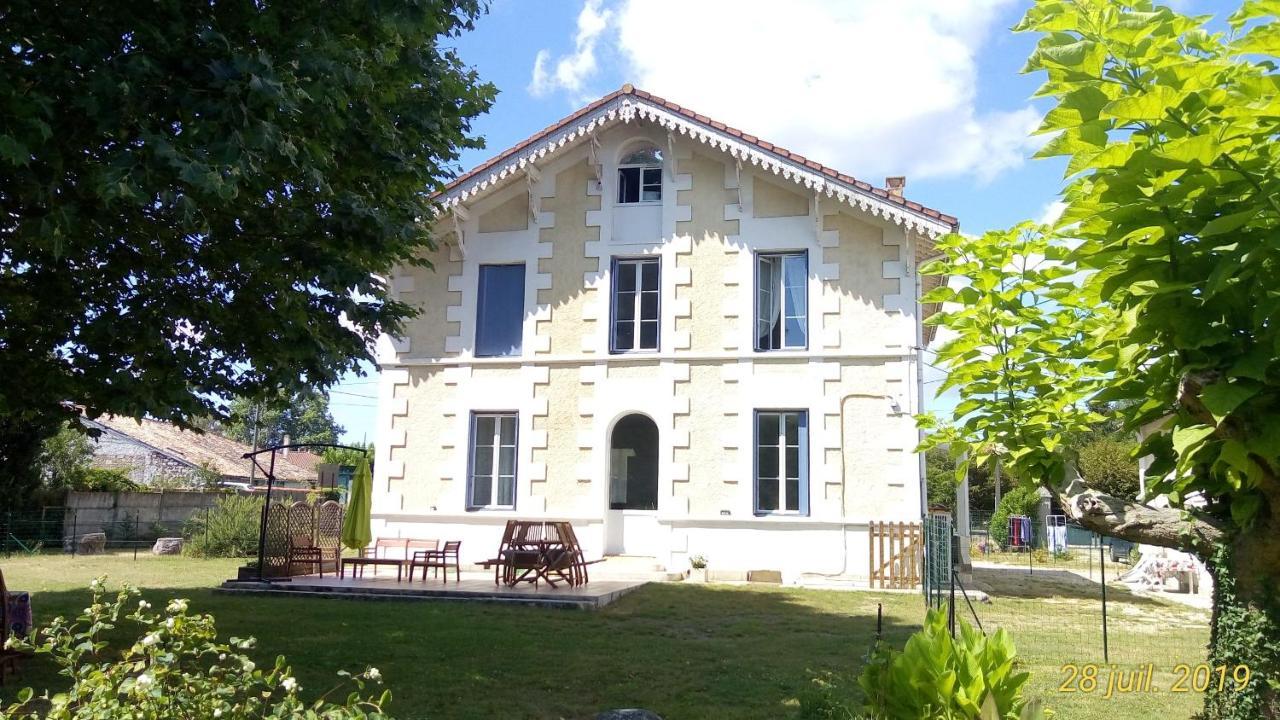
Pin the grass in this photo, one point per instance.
(685, 651)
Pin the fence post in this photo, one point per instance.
(951, 606)
(1102, 565)
(74, 528)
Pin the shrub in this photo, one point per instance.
(176, 668)
(1108, 465)
(228, 529)
(698, 562)
(1021, 500)
(937, 676)
(104, 480)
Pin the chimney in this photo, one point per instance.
(285, 442)
(894, 185)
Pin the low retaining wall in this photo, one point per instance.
(132, 516)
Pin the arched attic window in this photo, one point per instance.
(640, 175)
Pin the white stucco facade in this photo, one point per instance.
(856, 381)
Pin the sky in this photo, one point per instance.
(929, 89)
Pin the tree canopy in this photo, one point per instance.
(1156, 290)
(200, 201)
(303, 417)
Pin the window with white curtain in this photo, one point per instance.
(635, 306)
(782, 312)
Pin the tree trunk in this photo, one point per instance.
(1246, 625)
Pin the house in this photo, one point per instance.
(682, 338)
(152, 452)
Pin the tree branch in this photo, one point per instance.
(1111, 516)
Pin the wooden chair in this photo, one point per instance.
(499, 561)
(524, 559)
(575, 557)
(8, 658)
(303, 551)
(437, 559)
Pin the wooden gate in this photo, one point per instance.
(897, 552)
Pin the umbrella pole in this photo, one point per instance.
(266, 508)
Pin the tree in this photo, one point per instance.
(65, 457)
(303, 417)
(1159, 296)
(193, 195)
(1108, 465)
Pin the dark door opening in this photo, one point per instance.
(633, 464)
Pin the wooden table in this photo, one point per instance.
(360, 562)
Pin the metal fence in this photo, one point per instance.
(60, 529)
(1070, 577)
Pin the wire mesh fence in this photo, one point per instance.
(1077, 602)
(63, 530)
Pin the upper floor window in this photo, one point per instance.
(635, 315)
(500, 310)
(782, 312)
(640, 176)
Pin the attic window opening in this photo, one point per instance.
(640, 176)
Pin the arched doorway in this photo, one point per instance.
(633, 484)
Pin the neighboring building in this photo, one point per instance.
(153, 452)
(681, 338)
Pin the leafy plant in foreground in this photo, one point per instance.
(176, 669)
(939, 677)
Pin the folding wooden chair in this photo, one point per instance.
(303, 551)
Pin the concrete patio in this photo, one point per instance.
(474, 587)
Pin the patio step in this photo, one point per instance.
(633, 567)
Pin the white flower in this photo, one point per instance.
(144, 680)
(289, 684)
(249, 666)
(150, 639)
(222, 656)
(373, 674)
(144, 605)
(97, 585)
(217, 712)
(168, 623)
(10, 642)
(177, 606)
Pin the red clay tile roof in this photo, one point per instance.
(628, 89)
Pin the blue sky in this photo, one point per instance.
(929, 89)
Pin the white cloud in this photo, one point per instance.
(1052, 212)
(571, 70)
(871, 87)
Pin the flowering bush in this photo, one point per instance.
(176, 668)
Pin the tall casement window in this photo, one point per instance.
(640, 176)
(782, 305)
(491, 478)
(500, 310)
(635, 307)
(782, 461)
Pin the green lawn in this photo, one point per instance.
(686, 651)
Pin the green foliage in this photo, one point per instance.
(1168, 128)
(822, 700)
(302, 416)
(940, 474)
(105, 480)
(209, 212)
(1022, 500)
(176, 668)
(1109, 465)
(349, 458)
(64, 457)
(936, 676)
(228, 529)
(1019, 322)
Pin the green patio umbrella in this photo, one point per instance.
(355, 523)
